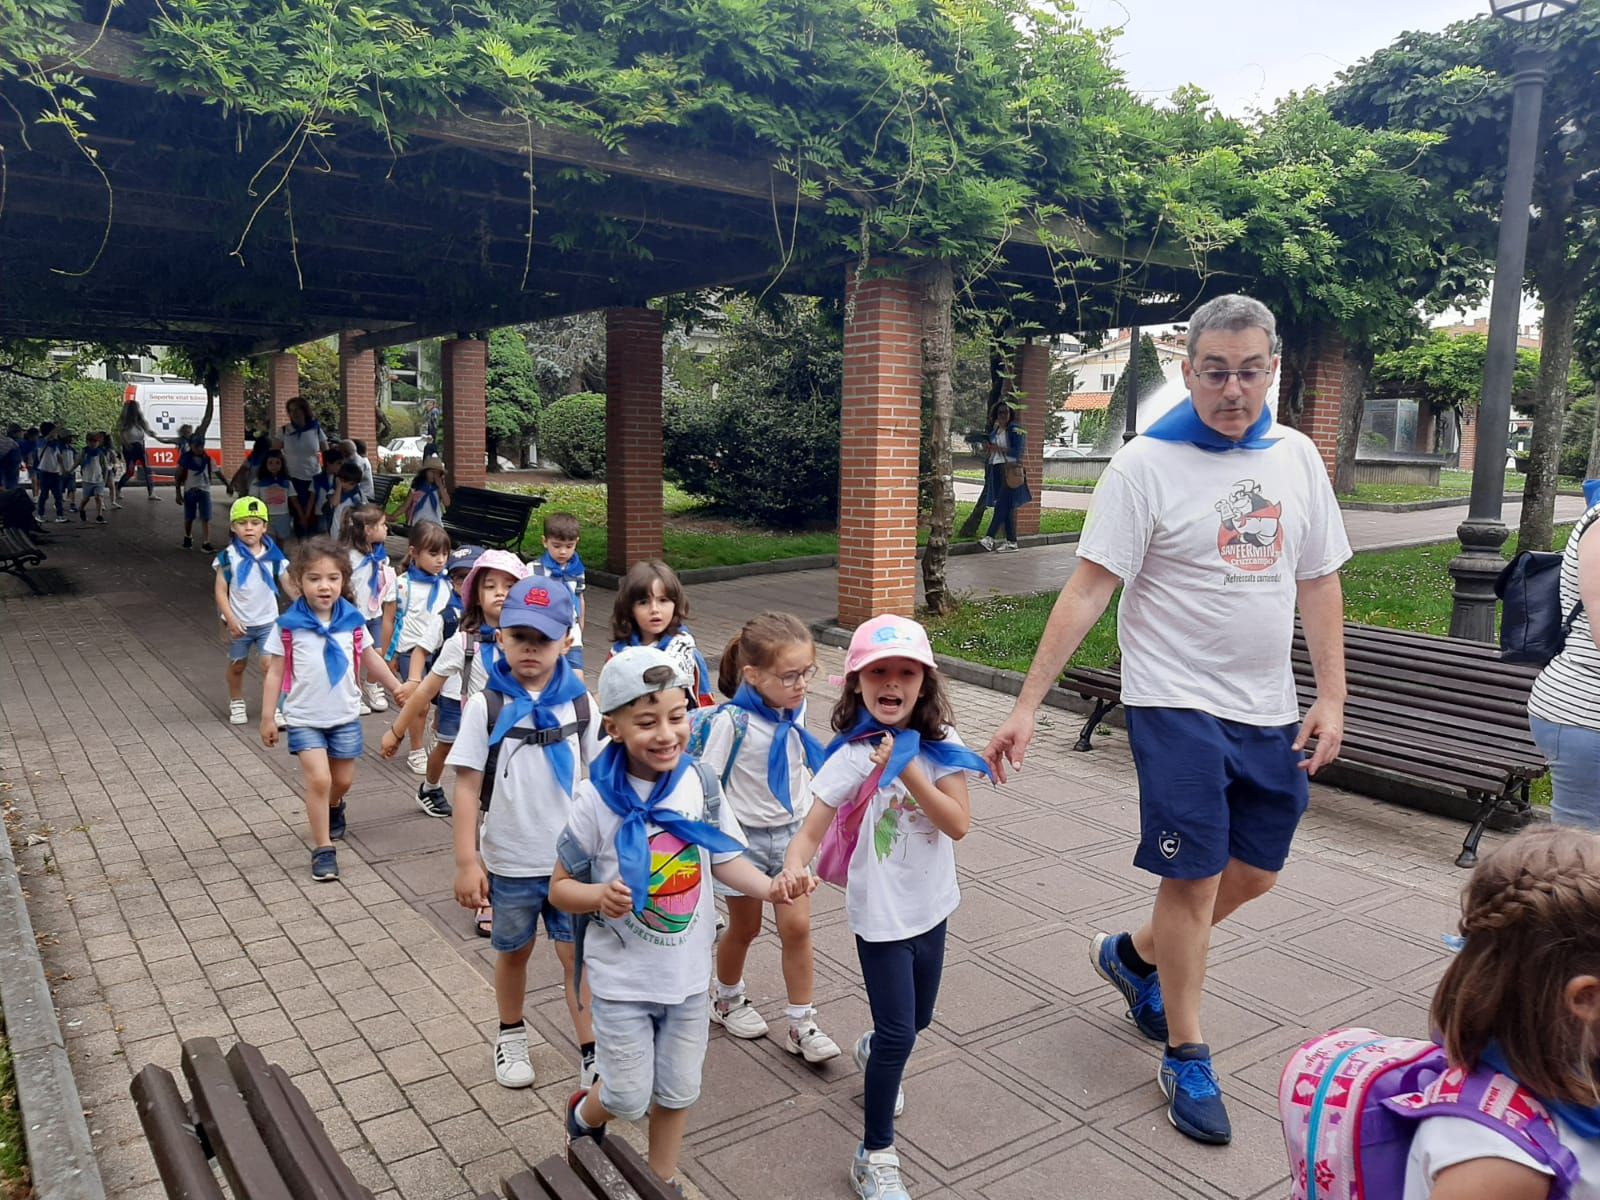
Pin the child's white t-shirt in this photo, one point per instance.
(421, 624)
(360, 585)
(256, 603)
(274, 495)
(528, 810)
(663, 956)
(451, 656)
(1443, 1142)
(746, 789)
(313, 702)
(903, 871)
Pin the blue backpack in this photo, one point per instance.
(1533, 625)
(700, 733)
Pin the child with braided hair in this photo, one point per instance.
(1523, 1000)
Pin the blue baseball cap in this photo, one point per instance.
(463, 558)
(539, 603)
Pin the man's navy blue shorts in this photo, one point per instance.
(1211, 790)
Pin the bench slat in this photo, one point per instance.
(181, 1160)
(558, 1179)
(234, 1139)
(596, 1169)
(298, 1162)
(636, 1170)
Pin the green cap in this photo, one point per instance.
(248, 508)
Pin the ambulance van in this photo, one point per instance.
(168, 402)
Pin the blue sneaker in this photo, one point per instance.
(325, 864)
(1145, 1006)
(1194, 1098)
(336, 821)
(577, 1131)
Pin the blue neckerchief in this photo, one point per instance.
(609, 774)
(785, 720)
(701, 667)
(1584, 1119)
(298, 429)
(346, 618)
(1591, 492)
(349, 500)
(452, 615)
(322, 484)
(195, 463)
(1183, 424)
(248, 562)
(416, 574)
(375, 558)
(279, 480)
(93, 452)
(563, 688)
(553, 569)
(908, 743)
(428, 492)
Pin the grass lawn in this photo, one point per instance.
(15, 1180)
(697, 535)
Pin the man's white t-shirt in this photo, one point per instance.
(903, 871)
(313, 701)
(746, 789)
(256, 603)
(450, 659)
(1210, 548)
(664, 955)
(1443, 1142)
(361, 585)
(528, 810)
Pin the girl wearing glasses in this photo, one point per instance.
(1005, 487)
(759, 746)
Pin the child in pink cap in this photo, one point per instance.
(893, 793)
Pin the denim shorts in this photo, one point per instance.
(91, 490)
(255, 638)
(765, 848)
(197, 505)
(447, 721)
(574, 658)
(342, 741)
(1211, 790)
(648, 1053)
(518, 902)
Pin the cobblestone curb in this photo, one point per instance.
(59, 1151)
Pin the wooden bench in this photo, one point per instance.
(250, 1118)
(383, 487)
(484, 517)
(1440, 711)
(17, 553)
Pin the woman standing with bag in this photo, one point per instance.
(1005, 484)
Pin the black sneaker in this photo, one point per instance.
(188, 543)
(336, 820)
(208, 547)
(325, 864)
(576, 1131)
(431, 800)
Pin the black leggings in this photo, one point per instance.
(133, 455)
(902, 981)
(1005, 505)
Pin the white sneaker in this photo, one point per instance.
(417, 760)
(61, 520)
(864, 1052)
(876, 1176)
(810, 1043)
(116, 504)
(512, 1066)
(278, 720)
(987, 543)
(366, 709)
(1007, 548)
(236, 712)
(376, 700)
(739, 1017)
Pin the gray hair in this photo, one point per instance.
(1232, 313)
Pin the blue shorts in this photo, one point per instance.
(342, 741)
(375, 634)
(447, 722)
(574, 658)
(518, 902)
(1211, 790)
(197, 505)
(91, 490)
(255, 637)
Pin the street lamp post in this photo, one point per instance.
(1131, 428)
(1484, 532)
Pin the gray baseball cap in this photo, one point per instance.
(638, 671)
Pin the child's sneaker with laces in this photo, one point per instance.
(739, 1017)
(417, 760)
(875, 1175)
(863, 1053)
(1146, 1009)
(513, 1068)
(1194, 1097)
(575, 1131)
(810, 1043)
(325, 864)
(431, 800)
(336, 821)
(188, 542)
(237, 715)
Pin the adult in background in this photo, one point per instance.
(355, 450)
(1005, 487)
(1564, 706)
(1217, 524)
(303, 444)
(132, 430)
(11, 457)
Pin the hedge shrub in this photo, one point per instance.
(83, 405)
(572, 431)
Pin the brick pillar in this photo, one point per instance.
(1032, 371)
(634, 513)
(230, 408)
(464, 363)
(1469, 439)
(1322, 397)
(878, 449)
(357, 392)
(283, 374)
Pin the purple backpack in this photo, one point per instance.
(1351, 1099)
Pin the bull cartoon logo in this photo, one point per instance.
(1251, 535)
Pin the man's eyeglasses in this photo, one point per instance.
(1248, 377)
(794, 679)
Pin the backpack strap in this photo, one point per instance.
(741, 726)
(709, 784)
(288, 660)
(495, 702)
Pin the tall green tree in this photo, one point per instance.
(511, 395)
(1457, 84)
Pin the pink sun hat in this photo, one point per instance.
(888, 637)
(494, 560)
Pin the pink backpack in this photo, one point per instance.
(839, 843)
(1351, 1099)
(288, 655)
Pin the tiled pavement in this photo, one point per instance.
(172, 899)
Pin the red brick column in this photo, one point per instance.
(230, 408)
(634, 513)
(878, 449)
(1032, 371)
(1322, 398)
(463, 365)
(1469, 438)
(283, 374)
(357, 391)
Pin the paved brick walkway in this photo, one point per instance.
(172, 900)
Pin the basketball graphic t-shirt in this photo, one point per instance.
(1211, 548)
(661, 955)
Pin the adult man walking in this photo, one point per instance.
(1217, 523)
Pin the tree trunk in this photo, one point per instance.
(1593, 471)
(1555, 360)
(1357, 363)
(938, 359)
(1292, 379)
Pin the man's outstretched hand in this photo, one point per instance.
(1010, 743)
